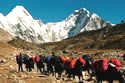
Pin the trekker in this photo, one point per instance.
(19, 60)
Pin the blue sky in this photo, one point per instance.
(58, 10)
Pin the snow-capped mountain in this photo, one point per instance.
(20, 23)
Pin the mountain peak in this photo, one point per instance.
(19, 8)
(83, 9)
(20, 23)
(19, 11)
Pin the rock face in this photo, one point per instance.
(20, 23)
(5, 36)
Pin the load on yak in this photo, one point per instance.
(103, 69)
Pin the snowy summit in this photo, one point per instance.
(20, 23)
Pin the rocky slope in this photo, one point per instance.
(5, 48)
(109, 37)
(5, 36)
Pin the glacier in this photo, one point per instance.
(20, 23)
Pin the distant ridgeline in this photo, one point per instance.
(20, 23)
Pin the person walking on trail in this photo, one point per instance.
(19, 60)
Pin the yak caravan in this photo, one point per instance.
(66, 67)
